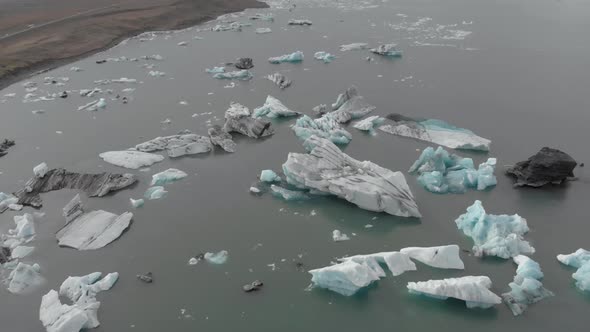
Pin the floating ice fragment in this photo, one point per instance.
(321, 109)
(299, 22)
(136, 203)
(131, 159)
(396, 262)
(215, 70)
(262, 17)
(387, 50)
(94, 105)
(442, 257)
(354, 47)
(254, 190)
(363, 183)
(288, 195)
(293, 57)
(155, 73)
(441, 172)
(73, 209)
(349, 105)
(217, 257)
(581, 260)
(324, 127)
(273, 108)
(222, 139)
(261, 31)
(348, 277)
(177, 145)
(494, 235)
(436, 131)
(548, 166)
(369, 123)
(156, 192)
(324, 56)
(474, 290)
(526, 288)
(280, 80)
(253, 286)
(243, 75)
(268, 175)
(167, 176)
(238, 119)
(182, 43)
(338, 236)
(24, 278)
(244, 63)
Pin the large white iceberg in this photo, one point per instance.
(474, 290)
(494, 235)
(324, 127)
(131, 159)
(83, 313)
(293, 57)
(177, 145)
(167, 176)
(273, 108)
(436, 131)
(371, 187)
(442, 257)
(526, 288)
(441, 172)
(581, 260)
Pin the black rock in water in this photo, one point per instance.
(254, 286)
(94, 185)
(548, 166)
(147, 278)
(63, 94)
(5, 145)
(244, 63)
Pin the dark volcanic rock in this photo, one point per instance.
(254, 286)
(94, 185)
(4, 146)
(244, 63)
(547, 166)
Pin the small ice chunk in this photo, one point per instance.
(354, 47)
(93, 230)
(261, 31)
(131, 159)
(494, 235)
(348, 277)
(293, 58)
(324, 127)
(582, 277)
(442, 257)
(474, 290)
(581, 260)
(526, 288)
(167, 176)
(75, 69)
(215, 70)
(238, 119)
(324, 56)
(222, 138)
(288, 195)
(136, 203)
(299, 22)
(182, 43)
(94, 105)
(321, 109)
(243, 75)
(25, 278)
(21, 252)
(387, 50)
(156, 192)
(177, 145)
(156, 73)
(338, 236)
(273, 108)
(268, 175)
(217, 257)
(369, 123)
(40, 170)
(280, 80)
(254, 190)
(193, 261)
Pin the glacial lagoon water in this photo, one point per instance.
(514, 72)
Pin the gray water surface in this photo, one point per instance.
(520, 78)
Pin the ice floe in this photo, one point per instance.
(363, 183)
(548, 166)
(293, 57)
(177, 145)
(354, 47)
(136, 203)
(442, 257)
(216, 257)
(25, 278)
(338, 236)
(580, 259)
(243, 75)
(474, 290)
(268, 175)
(369, 124)
(350, 105)
(215, 70)
(221, 138)
(441, 172)
(324, 127)
(527, 287)
(494, 235)
(155, 192)
(389, 50)
(280, 80)
(436, 131)
(131, 159)
(299, 22)
(348, 277)
(273, 108)
(324, 56)
(238, 119)
(167, 176)
(261, 31)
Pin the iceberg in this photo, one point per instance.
(94, 105)
(4, 146)
(387, 50)
(324, 56)
(354, 47)
(293, 57)
(324, 127)
(320, 109)
(441, 172)
(299, 22)
(155, 73)
(349, 105)
(7, 200)
(369, 123)
(437, 132)
(526, 288)
(348, 277)
(273, 108)
(177, 145)
(137, 203)
(40, 170)
(494, 235)
(548, 166)
(326, 169)
(238, 119)
(216, 257)
(167, 176)
(280, 80)
(338, 236)
(243, 75)
(442, 257)
(21, 252)
(25, 278)
(95, 185)
(262, 17)
(73, 209)
(261, 31)
(221, 138)
(92, 230)
(215, 70)
(131, 159)
(24, 231)
(268, 175)
(474, 290)
(288, 195)
(244, 63)
(581, 260)
(156, 192)
(397, 262)
(83, 313)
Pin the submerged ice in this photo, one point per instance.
(441, 172)
(527, 287)
(494, 235)
(474, 290)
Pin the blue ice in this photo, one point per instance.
(293, 57)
